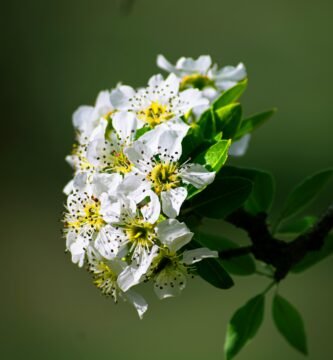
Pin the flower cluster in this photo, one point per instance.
(130, 180)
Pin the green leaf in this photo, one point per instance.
(315, 257)
(231, 95)
(262, 195)
(304, 193)
(240, 265)
(215, 156)
(213, 272)
(244, 325)
(249, 124)
(206, 123)
(289, 323)
(298, 226)
(228, 119)
(141, 131)
(222, 197)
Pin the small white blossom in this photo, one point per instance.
(105, 274)
(155, 158)
(84, 221)
(173, 269)
(169, 233)
(87, 118)
(159, 103)
(200, 73)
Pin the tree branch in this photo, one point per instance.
(265, 247)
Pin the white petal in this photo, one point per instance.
(99, 131)
(151, 211)
(115, 208)
(109, 242)
(200, 65)
(193, 256)
(137, 301)
(239, 147)
(125, 124)
(107, 183)
(169, 282)
(103, 104)
(176, 124)
(190, 99)
(140, 156)
(172, 201)
(229, 76)
(134, 186)
(155, 80)
(68, 187)
(78, 250)
(133, 274)
(81, 117)
(173, 234)
(165, 140)
(164, 64)
(171, 85)
(120, 97)
(197, 175)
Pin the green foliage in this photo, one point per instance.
(141, 131)
(231, 95)
(297, 226)
(251, 123)
(289, 323)
(213, 272)
(215, 156)
(244, 325)
(263, 190)
(314, 257)
(228, 119)
(239, 265)
(222, 197)
(304, 193)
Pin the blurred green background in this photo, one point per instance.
(57, 55)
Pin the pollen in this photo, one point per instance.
(119, 163)
(104, 278)
(198, 81)
(89, 216)
(140, 233)
(164, 176)
(155, 114)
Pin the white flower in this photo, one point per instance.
(159, 103)
(78, 159)
(107, 154)
(155, 158)
(201, 74)
(105, 274)
(86, 118)
(170, 233)
(84, 221)
(132, 230)
(172, 270)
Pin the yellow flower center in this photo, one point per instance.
(104, 278)
(89, 216)
(118, 162)
(198, 81)
(108, 115)
(164, 177)
(140, 233)
(155, 114)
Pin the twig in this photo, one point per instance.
(265, 247)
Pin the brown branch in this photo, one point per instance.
(231, 253)
(265, 247)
